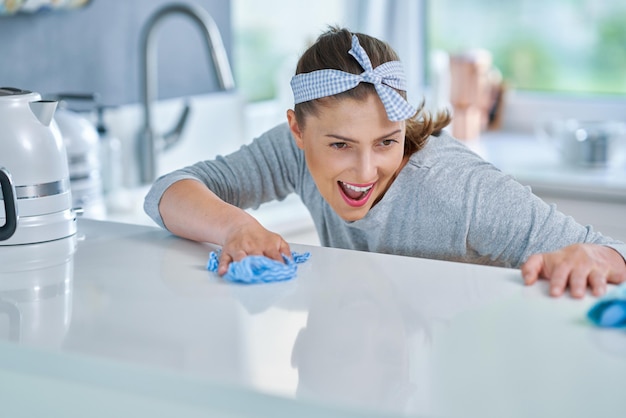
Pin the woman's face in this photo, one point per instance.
(353, 152)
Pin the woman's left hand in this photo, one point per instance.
(579, 266)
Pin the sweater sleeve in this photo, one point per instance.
(264, 170)
(510, 223)
(480, 214)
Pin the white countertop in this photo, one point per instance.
(133, 319)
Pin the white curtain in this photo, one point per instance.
(400, 23)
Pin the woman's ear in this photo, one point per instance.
(295, 128)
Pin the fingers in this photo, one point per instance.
(284, 249)
(617, 273)
(597, 282)
(278, 252)
(618, 276)
(532, 269)
(578, 267)
(558, 280)
(269, 245)
(578, 282)
(224, 261)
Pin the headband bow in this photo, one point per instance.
(385, 78)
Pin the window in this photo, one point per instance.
(560, 58)
(565, 46)
(269, 37)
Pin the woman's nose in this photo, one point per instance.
(366, 166)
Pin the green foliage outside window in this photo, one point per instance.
(570, 46)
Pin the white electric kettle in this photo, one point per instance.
(36, 201)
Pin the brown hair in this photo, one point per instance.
(330, 51)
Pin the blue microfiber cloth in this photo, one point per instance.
(610, 310)
(259, 268)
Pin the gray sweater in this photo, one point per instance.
(447, 203)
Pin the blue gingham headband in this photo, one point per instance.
(385, 78)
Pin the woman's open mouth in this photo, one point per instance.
(355, 195)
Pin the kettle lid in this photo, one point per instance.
(12, 91)
(12, 95)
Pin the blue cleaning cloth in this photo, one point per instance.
(610, 310)
(259, 268)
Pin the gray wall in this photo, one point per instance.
(95, 49)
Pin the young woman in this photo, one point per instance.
(378, 174)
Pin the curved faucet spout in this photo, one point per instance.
(148, 145)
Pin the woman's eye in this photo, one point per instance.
(339, 145)
(387, 142)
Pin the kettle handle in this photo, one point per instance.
(10, 205)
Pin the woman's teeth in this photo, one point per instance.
(364, 189)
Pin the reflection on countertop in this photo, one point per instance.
(36, 291)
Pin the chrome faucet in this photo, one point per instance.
(149, 144)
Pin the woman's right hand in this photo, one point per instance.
(190, 210)
(251, 238)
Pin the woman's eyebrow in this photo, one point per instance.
(346, 139)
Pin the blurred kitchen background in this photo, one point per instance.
(538, 87)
